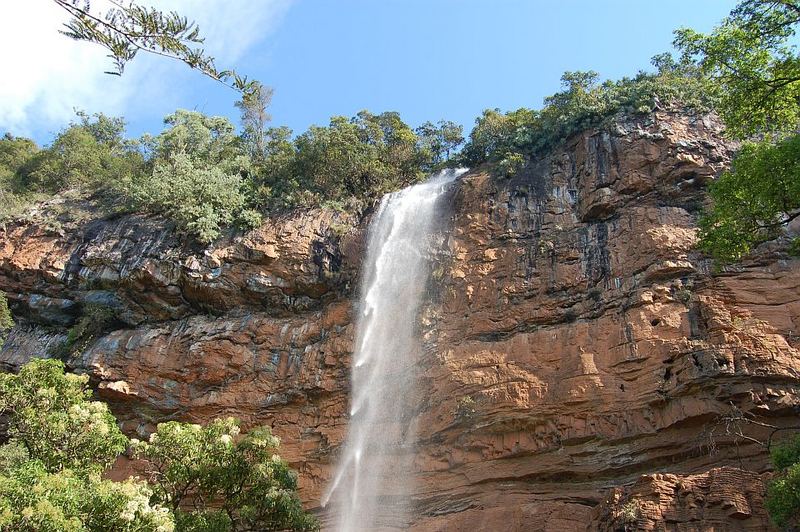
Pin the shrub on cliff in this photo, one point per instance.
(6, 319)
(200, 198)
(783, 493)
(503, 138)
(359, 159)
(751, 58)
(199, 172)
(230, 482)
(198, 176)
(60, 443)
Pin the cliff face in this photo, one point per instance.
(582, 367)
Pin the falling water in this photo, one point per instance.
(372, 486)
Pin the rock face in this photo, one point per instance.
(583, 367)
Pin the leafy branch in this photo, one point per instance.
(128, 28)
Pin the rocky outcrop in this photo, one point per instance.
(257, 327)
(583, 367)
(724, 498)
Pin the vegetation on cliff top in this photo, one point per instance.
(205, 176)
(508, 139)
(198, 478)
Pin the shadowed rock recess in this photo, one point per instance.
(582, 366)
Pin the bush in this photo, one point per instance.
(95, 321)
(465, 409)
(231, 482)
(505, 138)
(783, 493)
(201, 199)
(754, 200)
(6, 319)
(60, 444)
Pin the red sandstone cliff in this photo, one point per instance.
(583, 368)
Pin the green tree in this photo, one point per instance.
(275, 183)
(362, 157)
(752, 61)
(59, 443)
(34, 500)
(783, 492)
(254, 118)
(439, 141)
(215, 478)
(754, 200)
(15, 152)
(49, 414)
(91, 153)
(208, 140)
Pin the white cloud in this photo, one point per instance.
(45, 75)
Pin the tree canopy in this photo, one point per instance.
(60, 442)
(754, 65)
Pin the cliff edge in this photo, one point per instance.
(583, 366)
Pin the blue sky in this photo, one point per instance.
(427, 59)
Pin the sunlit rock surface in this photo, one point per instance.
(578, 354)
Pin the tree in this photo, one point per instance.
(214, 475)
(33, 500)
(754, 200)
(59, 443)
(439, 141)
(14, 153)
(361, 157)
(750, 58)
(128, 28)
(783, 492)
(498, 136)
(50, 416)
(91, 153)
(207, 140)
(254, 116)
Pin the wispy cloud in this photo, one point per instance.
(44, 75)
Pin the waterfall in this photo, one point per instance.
(373, 482)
